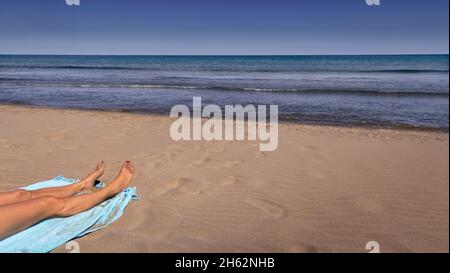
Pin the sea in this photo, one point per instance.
(407, 91)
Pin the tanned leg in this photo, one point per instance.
(19, 216)
(84, 185)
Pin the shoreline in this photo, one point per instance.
(282, 120)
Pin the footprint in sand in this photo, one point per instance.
(269, 207)
(316, 151)
(199, 147)
(186, 186)
(162, 160)
(170, 156)
(179, 187)
(260, 154)
(162, 188)
(201, 162)
(157, 164)
(301, 249)
(12, 147)
(230, 164)
(229, 180)
(312, 148)
(109, 120)
(145, 157)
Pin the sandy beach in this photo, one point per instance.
(325, 189)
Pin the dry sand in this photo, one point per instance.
(324, 189)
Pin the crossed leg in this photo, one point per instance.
(84, 185)
(17, 216)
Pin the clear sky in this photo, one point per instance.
(224, 27)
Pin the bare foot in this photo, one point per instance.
(123, 179)
(88, 182)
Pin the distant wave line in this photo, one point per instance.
(313, 91)
(206, 69)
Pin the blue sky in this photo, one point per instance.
(223, 27)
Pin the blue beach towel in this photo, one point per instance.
(49, 234)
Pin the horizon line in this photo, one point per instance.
(224, 55)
